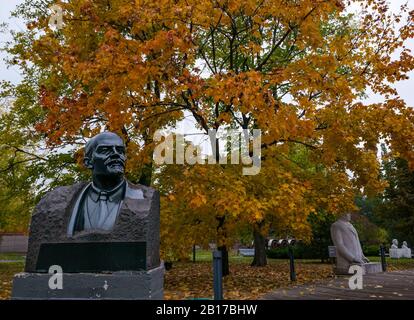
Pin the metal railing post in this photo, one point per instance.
(383, 261)
(217, 275)
(291, 264)
(194, 253)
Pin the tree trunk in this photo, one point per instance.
(260, 259)
(221, 232)
(146, 171)
(146, 175)
(224, 260)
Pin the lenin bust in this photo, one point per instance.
(109, 209)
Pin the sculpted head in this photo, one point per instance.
(346, 217)
(395, 242)
(105, 156)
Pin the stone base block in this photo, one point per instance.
(124, 285)
(371, 267)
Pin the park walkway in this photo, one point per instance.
(397, 285)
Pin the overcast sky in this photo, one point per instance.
(405, 88)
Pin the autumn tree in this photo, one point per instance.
(296, 70)
(394, 211)
(16, 194)
(27, 168)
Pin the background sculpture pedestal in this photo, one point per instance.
(125, 285)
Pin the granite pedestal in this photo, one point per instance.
(121, 285)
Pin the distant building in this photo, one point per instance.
(13, 242)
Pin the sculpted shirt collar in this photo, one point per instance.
(115, 194)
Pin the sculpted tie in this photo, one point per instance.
(103, 210)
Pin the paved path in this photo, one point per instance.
(397, 285)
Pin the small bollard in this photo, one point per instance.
(194, 253)
(217, 275)
(292, 264)
(383, 261)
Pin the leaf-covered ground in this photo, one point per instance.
(195, 280)
(187, 280)
(7, 271)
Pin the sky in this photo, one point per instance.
(405, 88)
(6, 7)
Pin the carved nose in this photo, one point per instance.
(116, 151)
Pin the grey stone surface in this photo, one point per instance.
(138, 220)
(138, 285)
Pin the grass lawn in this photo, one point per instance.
(188, 280)
(7, 271)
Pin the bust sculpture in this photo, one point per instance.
(106, 225)
(348, 248)
(395, 252)
(99, 203)
(406, 252)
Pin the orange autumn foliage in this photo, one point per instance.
(297, 70)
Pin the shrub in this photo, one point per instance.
(300, 251)
(371, 250)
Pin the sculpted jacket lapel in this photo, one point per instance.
(350, 227)
(70, 218)
(131, 194)
(353, 230)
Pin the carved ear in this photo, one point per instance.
(87, 163)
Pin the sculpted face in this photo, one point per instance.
(105, 155)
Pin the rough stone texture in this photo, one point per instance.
(138, 220)
(138, 285)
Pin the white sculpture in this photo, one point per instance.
(397, 253)
(406, 252)
(348, 247)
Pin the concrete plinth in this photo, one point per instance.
(125, 285)
(371, 267)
